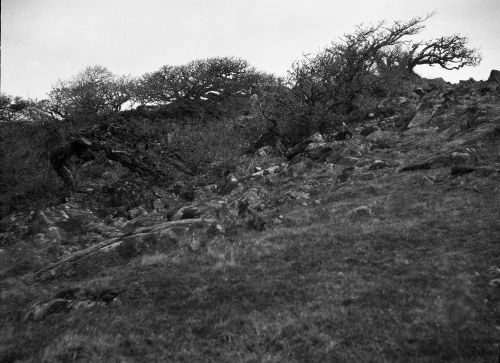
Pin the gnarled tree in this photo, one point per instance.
(92, 91)
(449, 52)
(205, 85)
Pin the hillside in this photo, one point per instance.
(383, 247)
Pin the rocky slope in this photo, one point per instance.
(382, 247)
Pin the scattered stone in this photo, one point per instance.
(401, 100)
(41, 310)
(460, 158)
(362, 211)
(318, 151)
(272, 170)
(187, 212)
(348, 160)
(382, 139)
(253, 219)
(419, 91)
(265, 151)
(297, 195)
(367, 130)
(367, 176)
(215, 230)
(158, 205)
(494, 283)
(362, 163)
(227, 185)
(457, 170)
(137, 212)
(420, 166)
(378, 164)
(422, 118)
(317, 138)
(343, 135)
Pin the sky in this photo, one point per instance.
(43, 41)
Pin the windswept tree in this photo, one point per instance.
(449, 52)
(344, 80)
(201, 85)
(332, 79)
(10, 107)
(335, 76)
(92, 91)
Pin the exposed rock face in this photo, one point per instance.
(494, 76)
(422, 118)
(383, 139)
(456, 129)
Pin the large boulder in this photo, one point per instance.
(383, 139)
(494, 76)
(422, 118)
(318, 150)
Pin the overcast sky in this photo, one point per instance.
(47, 40)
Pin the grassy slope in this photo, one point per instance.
(408, 283)
(412, 281)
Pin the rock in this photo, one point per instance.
(272, 170)
(343, 135)
(460, 158)
(137, 244)
(348, 160)
(362, 163)
(419, 91)
(494, 76)
(419, 166)
(345, 174)
(137, 212)
(187, 212)
(253, 219)
(382, 139)
(317, 138)
(255, 196)
(421, 132)
(227, 185)
(41, 310)
(362, 211)
(367, 176)
(265, 151)
(496, 131)
(158, 205)
(494, 283)
(378, 164)
(457, 170)
(318, 151)
(215, 230)
(401, 100)
(422, 118)
(297, 195)
(367, 130)
(184, 190)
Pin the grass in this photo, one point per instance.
(407, 283)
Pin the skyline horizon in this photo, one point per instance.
(43, 43)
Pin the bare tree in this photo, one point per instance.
(449, 52)
(91, 91)
(334, 76)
